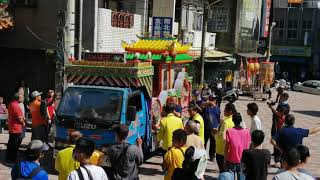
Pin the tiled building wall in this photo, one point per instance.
(109, 38)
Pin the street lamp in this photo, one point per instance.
(273, 24)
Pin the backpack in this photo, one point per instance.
(33, 173)
(119, 167)
(79, 172)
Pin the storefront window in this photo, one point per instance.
(292, 29)
(279, 30)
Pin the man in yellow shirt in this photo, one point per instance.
(175, 156)
(168, 125)
(65, 163)
(220, 136)
(194, 114)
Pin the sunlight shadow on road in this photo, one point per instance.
(150, 171)
(309, 113)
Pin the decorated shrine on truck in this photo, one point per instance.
(170, 60)
(156, 66)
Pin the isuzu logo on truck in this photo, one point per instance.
(84, 126)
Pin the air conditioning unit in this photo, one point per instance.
(24, 3)
(211, 40)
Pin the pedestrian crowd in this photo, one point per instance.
(237, 150)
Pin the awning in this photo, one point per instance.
(251, 55)
(288, 59)
(226, 59)
(210, 54)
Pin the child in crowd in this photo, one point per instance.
(255, 120)
(175, 155)
(256, 159)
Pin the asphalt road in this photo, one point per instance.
(304, 106)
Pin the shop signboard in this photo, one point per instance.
(295, 1)
(291, 51)
(265, 19)
(248, 24)
(162, 27)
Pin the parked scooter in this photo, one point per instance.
(230, 95)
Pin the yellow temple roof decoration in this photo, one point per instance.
(156, 46)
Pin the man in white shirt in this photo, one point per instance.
(255, 120)
(82, 153)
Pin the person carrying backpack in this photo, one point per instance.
(193, 166)
(87, 171)
(124, 158)
(30, 167)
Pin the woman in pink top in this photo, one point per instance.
(237, 140)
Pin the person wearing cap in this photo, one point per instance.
(39, 123)
(16, 122)
(30, 167)
(124, 158)
(193, 111)
(87, 171)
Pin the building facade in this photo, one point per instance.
(296, 38)
(29, 49)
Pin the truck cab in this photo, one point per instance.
(94, 110)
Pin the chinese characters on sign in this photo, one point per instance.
(266, 17)
(161, 27)
(122, 19)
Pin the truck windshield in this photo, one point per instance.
(97, 105)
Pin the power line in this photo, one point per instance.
(39, 38)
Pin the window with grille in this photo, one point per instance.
(219, 20)
(279, 30)
(292, 29)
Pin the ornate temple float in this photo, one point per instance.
(157, 66)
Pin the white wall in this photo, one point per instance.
(109, 38)
(195, 37)
(164, 8)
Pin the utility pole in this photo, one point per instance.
(69, 31)
(206, 6)
(273, 24)
(203, 42)
(68, 37)
(80, 29)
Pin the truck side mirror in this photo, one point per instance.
(131, 113)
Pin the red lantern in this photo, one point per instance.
(251, 67)
(257, 66)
